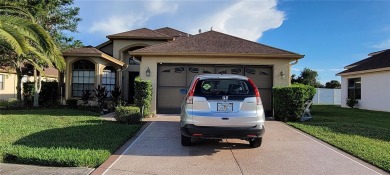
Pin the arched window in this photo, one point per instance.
(83, 77)
(109, 78)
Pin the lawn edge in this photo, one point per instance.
(343, 152)
(115, 156)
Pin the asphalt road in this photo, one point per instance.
(157, 150)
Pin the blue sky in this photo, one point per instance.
(331, 34)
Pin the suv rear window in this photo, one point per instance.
(223, 87)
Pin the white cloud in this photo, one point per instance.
(246, 19)
(336, 70)
(385, 44)
(116, 24)
(124, 17)
(159, 6)
(296, 69)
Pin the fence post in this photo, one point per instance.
(318, 96)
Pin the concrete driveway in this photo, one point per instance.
(157, 150)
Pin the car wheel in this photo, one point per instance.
(185, 141)
(256, 142)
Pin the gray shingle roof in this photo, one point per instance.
(380, 60)
(213, 42)
(83, 50)
(143, 33)
(171, 32)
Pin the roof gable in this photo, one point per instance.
(377, 61)
(143, 33)
(89, 51)
(213, 42)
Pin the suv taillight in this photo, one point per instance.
(190, 94)
(257, 93)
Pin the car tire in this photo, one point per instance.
(256, 142)
(185, 141)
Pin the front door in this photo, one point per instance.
(131, 91)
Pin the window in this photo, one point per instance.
(1, 81)
(354, 88)
(223, 87)
(109, 79)
(250, 71)
(83, 77)
(179, 69)
(193, 70)
(236, 70)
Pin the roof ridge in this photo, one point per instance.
(160, 33)
(155, 45)
(249, 41)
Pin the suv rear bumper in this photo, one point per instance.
(191, 130)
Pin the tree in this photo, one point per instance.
(22, 40)
(333, 84)
(307, 77)
(54, 16)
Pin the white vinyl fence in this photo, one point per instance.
(327, 96)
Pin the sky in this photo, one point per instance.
(330, 33)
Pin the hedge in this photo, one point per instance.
(48, 97)
(128, 114)
(143, 95)
(289, 102)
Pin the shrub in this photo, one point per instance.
(28, 94)
(143, 95)
(72, 103)
(50, 94)
(86, 96)
(48, 97)
(289, 102)
(116, 95)
(101, 97)
(128, 114)
(352, 102)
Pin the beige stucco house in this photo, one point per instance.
(368, 81)
(8, 81)
(170, 59)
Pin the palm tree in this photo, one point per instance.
(24, 41)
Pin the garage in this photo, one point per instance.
(173, 77)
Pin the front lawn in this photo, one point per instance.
(59, 137)
(363, 133)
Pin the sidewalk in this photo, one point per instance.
(17, 169)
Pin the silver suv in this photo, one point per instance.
(222, 106)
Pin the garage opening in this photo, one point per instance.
(173, 77)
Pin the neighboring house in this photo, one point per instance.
(170, 59)
(8, 81)
(368, 81)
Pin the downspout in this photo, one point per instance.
(294, 63)
(291, 64)
(136, 60)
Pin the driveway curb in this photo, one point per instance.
(114, 157)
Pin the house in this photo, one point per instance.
(170, 58)
(8, 81)
(368, 81)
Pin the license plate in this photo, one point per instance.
(227, 107)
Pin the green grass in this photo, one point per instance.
(59, 137)
(363, 133)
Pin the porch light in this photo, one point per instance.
(282, 74)
(147, 72)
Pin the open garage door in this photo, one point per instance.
(173, 77)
